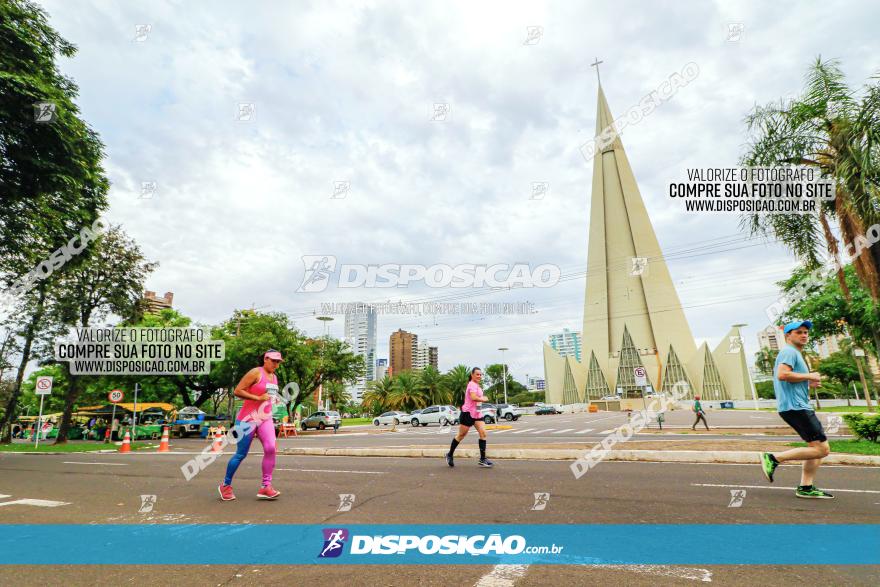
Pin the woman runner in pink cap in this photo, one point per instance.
(257, 388)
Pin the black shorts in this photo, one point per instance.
(805, 423)
(465, 419)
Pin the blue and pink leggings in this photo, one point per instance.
(244, 432)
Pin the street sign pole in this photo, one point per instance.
(112, 419)
(135, 418)
(39, 427)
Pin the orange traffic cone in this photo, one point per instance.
(163, 444)
(126, 443)
(215, 447)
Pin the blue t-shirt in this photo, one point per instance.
(791, 396)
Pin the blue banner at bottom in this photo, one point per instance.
(282, 544)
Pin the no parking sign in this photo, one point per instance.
(44, 386)
(641, 376)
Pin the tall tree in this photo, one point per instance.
(455, 381)
(109, 280)
(407, 394)
(375, 399)
(431, 381)
(831, 130)
(765, 359)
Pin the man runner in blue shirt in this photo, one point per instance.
(792, 381)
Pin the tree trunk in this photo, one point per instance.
(69, 401)
(30, 333)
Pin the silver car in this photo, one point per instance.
(322, 420)
(442, 415)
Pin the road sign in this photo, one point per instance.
(115, 396)
(641, 376)
(44, 386)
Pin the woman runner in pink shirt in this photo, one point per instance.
(257, 388)
(470, 416)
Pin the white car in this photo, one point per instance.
(509, 412)
(610, 398)
(394, 418)
(442, 415)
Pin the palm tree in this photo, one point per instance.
(431, 381)
(829, 129)
(337, 394)
(376, 398)
(765, 359)
(406, 393)
(455, 381)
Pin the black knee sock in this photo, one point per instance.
(482, 444)
(453, 445)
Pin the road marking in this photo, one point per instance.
(524, 430)
(544, 430)
(2, 496)
(501, 431)
(334, 471)
(694, 574)
(562, 431)
(97, 463)
(584, 431)
(42, 503)
(502, 576)
(783, 488)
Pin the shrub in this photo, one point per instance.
(865, 427)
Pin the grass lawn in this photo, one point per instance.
(69, 447)
(356, 421)
(859, 447)
(847, 408)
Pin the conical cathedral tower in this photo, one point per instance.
(632, 313)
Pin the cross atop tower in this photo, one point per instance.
(596, 65)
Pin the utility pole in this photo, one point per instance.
(504, 370)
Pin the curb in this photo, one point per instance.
(571, 454)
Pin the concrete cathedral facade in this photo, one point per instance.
(632, 313)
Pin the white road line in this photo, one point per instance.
(584, 431)
(565, 430)
(334, 471)
(502, 576)
(2, 496)
(783, 488)
(501, 431)
(544, 430)
(694, 574)
(42, 503)
(97, 463)
(524, 430)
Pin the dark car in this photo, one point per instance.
(546, 410)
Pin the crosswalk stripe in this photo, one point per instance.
(524, 430)
(584, 431)
(545, 430)
(500, 431)
(565, 430)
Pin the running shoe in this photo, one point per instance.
(768, 465)
(486, 463)
(226, 492)
(812, 492)
(268, 492)
(449, 460)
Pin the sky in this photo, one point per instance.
(345, 94)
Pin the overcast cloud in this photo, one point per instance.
(345, 92)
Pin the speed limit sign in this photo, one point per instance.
(115, 396)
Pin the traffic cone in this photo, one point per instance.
(215, 447)
(126, 443)
(163, 444)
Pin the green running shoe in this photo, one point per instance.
(812, 492)
(768, 465)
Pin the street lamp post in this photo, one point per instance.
(325, 320)
(504, 370)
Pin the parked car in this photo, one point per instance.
(394, 418)
(489, 413)
(543, 411)
(509, 412)
(442, 415)
(321, 420)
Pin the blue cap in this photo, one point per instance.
(796, 324)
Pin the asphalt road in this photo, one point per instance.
(106, 488)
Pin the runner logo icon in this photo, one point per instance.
(334, 541)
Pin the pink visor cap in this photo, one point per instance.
(272, 354)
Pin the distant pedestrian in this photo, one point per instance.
(701, 415)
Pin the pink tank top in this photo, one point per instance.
(260, 410)
(470, 406)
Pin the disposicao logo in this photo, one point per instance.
(334, 541)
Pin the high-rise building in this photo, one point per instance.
(434, 357)
(402, 346)
(535, 383)
(567, 343)
(771, 338)
(381, 369)
(633, 319)
(154, 303)
(425, 355)
(360, 334)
